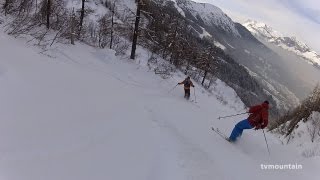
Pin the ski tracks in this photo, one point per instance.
(179, 158)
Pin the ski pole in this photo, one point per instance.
(232, 115)
(173, 88)
(266, 141)
(195, 97)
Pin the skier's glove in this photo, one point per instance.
(257, 128)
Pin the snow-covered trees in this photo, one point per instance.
(110, 31)
(206, 61)
(314, 125)
(104, 27)
(30, 18)
(303, 112)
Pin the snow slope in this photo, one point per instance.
(306, 136)
(83, 113)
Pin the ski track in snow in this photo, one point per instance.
(87, 114)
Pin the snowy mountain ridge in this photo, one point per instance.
(292, 44)
(209, 14)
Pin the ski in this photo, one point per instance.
(193, 103)
(216, 130)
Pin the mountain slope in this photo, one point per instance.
(210, 15)
(178, 35)
(87, 114)
(245, 49)
(261, 30)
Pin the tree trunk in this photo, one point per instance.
(112, 23)
(48, 13)
(204, 77)
(211, 81)
(73, 17)
(173, 44)
(5, 7)
(81, 18)
(187, 68)
(135, 33)
(36, 6)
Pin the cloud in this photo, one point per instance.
(310, 9)
(290, 17)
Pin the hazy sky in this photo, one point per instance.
(300, 18)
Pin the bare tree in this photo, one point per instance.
(104, 31)
(314, 127)
(136, 30)
(81, 17)
(303, 111)
(72, 33)
(36, 6)
(6, 6)
(48, 12)
(112, 22)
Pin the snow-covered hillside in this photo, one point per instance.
(261, 30)
(79, 113)
(209, 14)
(306, 136)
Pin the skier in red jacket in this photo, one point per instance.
(257, 119)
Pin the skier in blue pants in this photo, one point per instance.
(238, 129)
(258, 119)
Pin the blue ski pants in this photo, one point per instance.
(238, 129)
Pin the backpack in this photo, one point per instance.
(187, 83)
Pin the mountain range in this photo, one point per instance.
(267, 33)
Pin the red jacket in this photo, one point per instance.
(259, 116)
